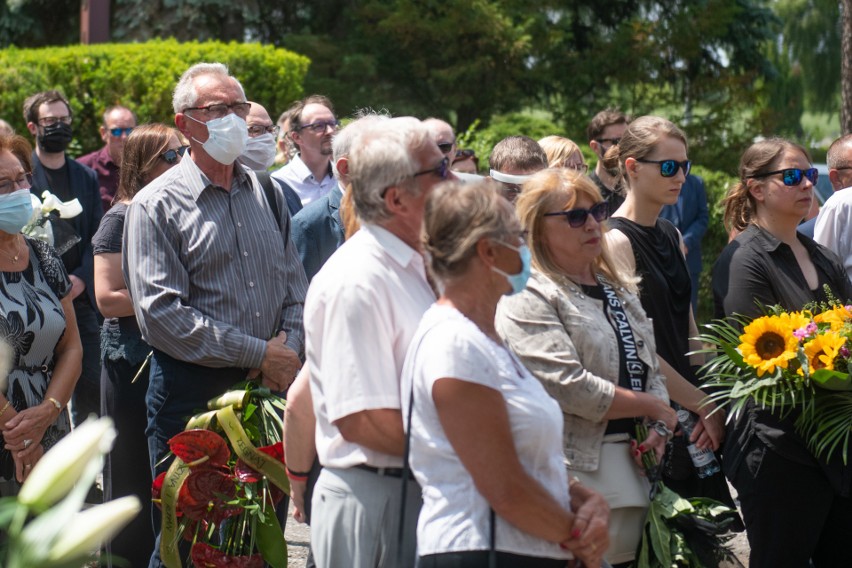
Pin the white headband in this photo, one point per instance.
(509, 178)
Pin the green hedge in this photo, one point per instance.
(140, 76)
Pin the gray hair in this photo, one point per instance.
(185, 94)
(382, 157)
(341, 146)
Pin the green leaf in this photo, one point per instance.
(270, 540)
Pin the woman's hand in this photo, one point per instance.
(24, 465)
(663, 411)
(24, 431)
(590, 533)
(709, 432)
(654, 441)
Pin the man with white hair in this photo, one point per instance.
(444, 136)
(361, 311)
(210, 265)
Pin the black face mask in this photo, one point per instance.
(55, 138)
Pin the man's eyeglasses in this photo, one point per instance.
(582, 168)
(446, 147)
(442, 171)
(576, 218)
(116, 132)
(669, 168)
(613, 141)
(23, 181)
(258, 130)
(220, 110)
(51, 120)
(792, 176)
(321, 125)
(173, 155)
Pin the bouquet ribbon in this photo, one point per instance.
(169, 537)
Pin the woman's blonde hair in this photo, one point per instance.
(638, 141)
(558, 149)
(456, 217)
(558, 189)
(760, 157)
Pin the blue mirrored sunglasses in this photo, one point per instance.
(792, 176)
(669, 168)
(119, 131)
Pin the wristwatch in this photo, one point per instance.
(661, 429)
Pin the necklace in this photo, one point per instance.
(14, 258)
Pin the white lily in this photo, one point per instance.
(57, 472)
(67, 209)
(93, 527)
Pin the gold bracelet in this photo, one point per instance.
(5, 407)
(55, 403)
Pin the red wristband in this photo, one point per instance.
(297, 475)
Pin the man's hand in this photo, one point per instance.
(280, 364)
(77, 286)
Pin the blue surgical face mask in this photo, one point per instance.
(519, 280)
(16, 209)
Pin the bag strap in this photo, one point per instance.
(406, 468)
(265, 181)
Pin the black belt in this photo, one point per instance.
(386, 471)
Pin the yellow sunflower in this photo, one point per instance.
(836, 317)
(768, 342)
(822, 350)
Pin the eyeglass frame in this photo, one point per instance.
(176, 155)
(803, 174)
(600, 206)
(449, 146)
(685, 165)
(613, 141)
(67, 120)
(443, 169)
(228, 109)
(15, 184)
(273, 129)
(313, 126)
(117, 132)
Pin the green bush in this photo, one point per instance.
(513, 124)
(140, 76)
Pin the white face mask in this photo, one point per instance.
(260, 152)
(226, 138)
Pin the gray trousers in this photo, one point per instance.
(355, 520)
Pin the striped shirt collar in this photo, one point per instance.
(197, 181)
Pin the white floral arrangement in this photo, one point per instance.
(47, 209)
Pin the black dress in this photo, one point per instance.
(665, 292)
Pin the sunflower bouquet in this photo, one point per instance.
(788, 361)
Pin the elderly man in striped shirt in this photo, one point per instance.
(217, 286)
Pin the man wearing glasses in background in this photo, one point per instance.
(48, 117)
(312, 127)
(208, 296)
(604, 131)
(119, 122)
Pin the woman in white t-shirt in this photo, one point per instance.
(485, 436)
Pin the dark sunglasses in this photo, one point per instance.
(442, 171)
(172, 155)
(445, 147)
(669, 168)
(465, 154)
(792, 176)
(116, 132)
(577, 217)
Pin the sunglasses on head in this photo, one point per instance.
(577, 217)
(792, 176)
(172, 155)
(116, 132)
(669, 168)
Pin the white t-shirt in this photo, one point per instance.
(361, 310)
(833, 229)
(455, 516)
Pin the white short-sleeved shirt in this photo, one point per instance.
(361, 311)
(455, 516)
(833, 230)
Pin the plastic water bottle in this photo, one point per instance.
(705, 461)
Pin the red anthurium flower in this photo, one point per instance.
(248, 474)
(205, 494)
(205, 556)
(197, 447)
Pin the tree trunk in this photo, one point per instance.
(846, 67)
